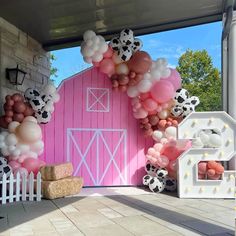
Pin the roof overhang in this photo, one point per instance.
(60, 23)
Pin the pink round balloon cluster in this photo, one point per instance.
(165, 153)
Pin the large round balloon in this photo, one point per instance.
(162, 91)
(174, 78)
(29, 132)
(140, 62)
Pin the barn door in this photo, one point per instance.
(98, 155)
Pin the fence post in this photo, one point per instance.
(11, 184)
(31, 186)
(24, 182)
(18, 180)
(4, 188)
(38, 188)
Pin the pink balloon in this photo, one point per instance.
(151, 151)
(22, 171)
(31, 165)
(144, 96)
(14, 165)
(172, 165)
(174, 79)
(107, 66)
(162, 91)
(171, 152)
(149, 104)
(164, 161)
(108, 53)
(140, 114)
(96, 64)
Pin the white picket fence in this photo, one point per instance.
(20, 188)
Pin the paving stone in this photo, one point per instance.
(108, 230)
(89, 219)
(140, 225)
(109, 213)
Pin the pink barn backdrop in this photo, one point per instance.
(93, 127)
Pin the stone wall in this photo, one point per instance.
(16, 47)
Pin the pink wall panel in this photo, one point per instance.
(89, 138)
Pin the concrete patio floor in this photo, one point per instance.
(122, 211)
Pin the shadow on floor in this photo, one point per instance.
(17, 213)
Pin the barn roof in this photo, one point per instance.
(60, 23)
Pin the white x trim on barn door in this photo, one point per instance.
(96, 136)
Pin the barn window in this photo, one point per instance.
(98, 100)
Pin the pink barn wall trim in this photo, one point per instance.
(93, 127)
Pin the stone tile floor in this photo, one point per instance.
(122, 212)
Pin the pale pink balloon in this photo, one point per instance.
(31, 165)
(149, 104)
(172, 165)
(144, 96)
(107, 66)
(158, 147)
(151, 151)
(22, 171)
(162, 91)
(140, 114)
(156, 155)
(14, 165)
(164, 161)
(108, 53)
(174, 79)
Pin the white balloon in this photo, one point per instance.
(155, 74)
(197, 143)
(37, 146)
(2, 144)
(147, 76)
(49, 89)
(4, 133)
(132, 92)
(2, 138)
(16, 152)
(24, 148)
(89, 42)
(32, 154)
(144, 86)
(12, 126)
(88, 35)
(11, 148)
(163, 114)
(157, 135)
(204, 138)
(166, 73)
(171, 132)
(103, 48)
(215, 140)
(31, 119)
(94, 47)
(87, 52)
(97, 57)
(11, 139)
(5, 151)
(96, 39)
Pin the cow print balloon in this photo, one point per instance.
(5, 169)
(43, 116)
(126, 45)
(184, 104)
(162, 173)
(3, 161)
(156, 185)
(126, 37)
(151, 169)
(170, 184)
(31, 93)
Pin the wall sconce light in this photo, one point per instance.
(15, 76)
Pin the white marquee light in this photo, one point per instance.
(189, 186)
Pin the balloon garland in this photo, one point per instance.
(21, 143)
(158, 101)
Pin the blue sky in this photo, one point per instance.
(170, 45)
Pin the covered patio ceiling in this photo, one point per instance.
(60, 23)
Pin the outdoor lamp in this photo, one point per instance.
(16, 76)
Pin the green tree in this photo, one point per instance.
(53, 70)
(201, 79)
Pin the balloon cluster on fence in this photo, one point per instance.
(21, 143)
(157, 99)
